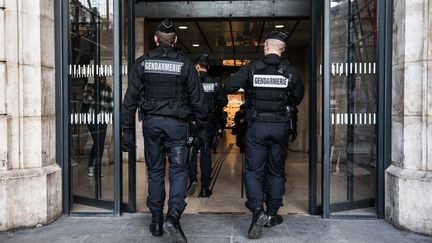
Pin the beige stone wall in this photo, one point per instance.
(409, 178)
(140, 46)
(30, 180)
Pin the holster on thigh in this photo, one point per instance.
(178, 155)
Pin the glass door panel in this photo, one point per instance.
(91, 105)
(353, 102)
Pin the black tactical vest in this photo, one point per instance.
(269, 93)
(163, 76)
(210, 85)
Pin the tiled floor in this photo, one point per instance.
(213, 228)
(220, 218)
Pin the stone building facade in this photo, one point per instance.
(30, 179)
(409, 178)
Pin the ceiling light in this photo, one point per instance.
(279, 26)
(195, 45)
(183, 27)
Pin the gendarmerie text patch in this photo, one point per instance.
(270, 81)
(162, 67)
(208, 87)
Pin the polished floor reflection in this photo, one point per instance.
(227, 184)
(227, 191)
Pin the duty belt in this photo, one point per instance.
(280, 116)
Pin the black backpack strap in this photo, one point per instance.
(152, 53)
(283, 66)
(172, 54)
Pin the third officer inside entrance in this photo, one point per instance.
(273, 90)
(214, 100)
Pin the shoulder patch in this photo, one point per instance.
(162, 67)
(270, 81)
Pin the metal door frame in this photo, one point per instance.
(62, 85)
(383, 144)
(385, 11)
(313, 207)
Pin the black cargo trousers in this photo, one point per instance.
(205, 136)
(264, 176)
(166, 137)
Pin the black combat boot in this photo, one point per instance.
(258, 221)
(156, 225)
(205, 192)
(173, 228)
(273, 220)
(190, 190)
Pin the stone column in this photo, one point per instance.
(409, 178)
(30, 179)
(139, 51)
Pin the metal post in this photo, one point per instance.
(313, 158)
(384, 13)
(350, 99)
(132, 154)
(242, 177)
(62, 98)
(326, 113)
(98, 161)
(117, 102)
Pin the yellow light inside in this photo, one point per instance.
(231, 63)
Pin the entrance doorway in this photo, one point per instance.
(231, 43)
(340, 126)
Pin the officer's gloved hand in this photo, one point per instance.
(128, 143)
(293, 123)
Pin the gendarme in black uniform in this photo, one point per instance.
(165, 86)
(272, 86)
(214, 101)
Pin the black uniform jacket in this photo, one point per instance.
(215, 97)
(243, 79)
(174, 108)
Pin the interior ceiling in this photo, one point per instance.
(215, 37)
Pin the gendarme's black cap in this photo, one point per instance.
(278, 35)
(166, 26)
(203, 58)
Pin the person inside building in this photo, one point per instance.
(239, 128)
(272, 87)
(97, 101)
(165, 85)
(214, 99)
